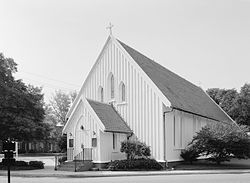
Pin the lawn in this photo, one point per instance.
(206, 165)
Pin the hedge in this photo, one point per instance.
(23, 165)
(135, 164)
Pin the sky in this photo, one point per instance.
(56, 42)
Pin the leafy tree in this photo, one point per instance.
(243, 106)
(226, 99)
(60, 104)
(56, 112)
(135, 148)
(21, 106)
(236, 105)
(62, 143)
(220, 142)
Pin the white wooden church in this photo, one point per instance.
(127, 95)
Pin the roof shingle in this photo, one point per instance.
(109, 117)
(181, 93)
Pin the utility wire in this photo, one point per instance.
(52, 86)
(52, 79)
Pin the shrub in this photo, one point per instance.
(135, 148)
(220, 142)
(190, 154)
(135, 164)
(36, 164)
(21, 163)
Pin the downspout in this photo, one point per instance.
(164, 134)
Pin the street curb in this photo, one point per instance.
(79, 175)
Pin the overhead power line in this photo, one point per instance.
(49, 85)
(52, 79)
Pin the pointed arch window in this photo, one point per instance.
(100, 93)
(122, 92)
(111, 86)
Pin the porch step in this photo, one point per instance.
(87, 165)
(80, 166)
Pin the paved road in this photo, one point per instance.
(215, 178)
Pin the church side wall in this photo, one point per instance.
(180, 128)
(107, 151)
(142, 109)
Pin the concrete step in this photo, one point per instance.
(87, 165)
(80, 166)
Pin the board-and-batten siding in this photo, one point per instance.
(83, 117)
(142, 109)
(180, 128)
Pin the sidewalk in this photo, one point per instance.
(50, 172)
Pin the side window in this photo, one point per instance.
(177, 131)
(114, 141)
(71, 142)
(94, 142)
(122, 94)
(111, 86)
(100, 94)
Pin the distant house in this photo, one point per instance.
(43, 146)
(127, 95)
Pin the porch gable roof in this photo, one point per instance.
(110, 118)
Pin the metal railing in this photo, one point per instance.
(59, 159)
(84, 155)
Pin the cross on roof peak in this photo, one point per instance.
(110, 28)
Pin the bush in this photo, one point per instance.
(21, 163)
(135, 148)
(190, 154)
(135, 164)
(37, 164)
(221, 142)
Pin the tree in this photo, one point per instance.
(56, 112)
(60, 104)
(226, 99)
(62, 143)
(236, 105)
(243, 106)
(21, 106)
(221, 142)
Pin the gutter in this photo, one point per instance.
(195, 114)
(164, 135)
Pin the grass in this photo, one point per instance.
(206, 165)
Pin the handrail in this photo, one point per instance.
(85, 154)
(79, 157)
(59, 159)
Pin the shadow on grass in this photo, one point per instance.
(206, 165)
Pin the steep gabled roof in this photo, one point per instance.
(109, 117)
(182, 94)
